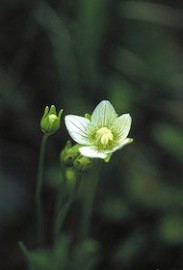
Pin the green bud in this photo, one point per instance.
(71, 176)
(82, 164)
(50, 121)
(69, 154)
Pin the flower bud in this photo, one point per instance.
(82, 164)
(69, 154)
(71, 176)
(50, 121)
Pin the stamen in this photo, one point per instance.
(104, 136)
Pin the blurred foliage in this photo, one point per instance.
(73, 54)
(83, 256)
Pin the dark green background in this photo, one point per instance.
(74, 54)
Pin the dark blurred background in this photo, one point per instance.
(74, 54)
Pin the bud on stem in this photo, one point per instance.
(50, 121)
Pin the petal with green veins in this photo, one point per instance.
(122, 126)
(77, 127)
(104, 114)
(120, 145)
(92, 152)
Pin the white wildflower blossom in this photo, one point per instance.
(103, 134)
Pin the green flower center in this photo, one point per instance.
(104, 136)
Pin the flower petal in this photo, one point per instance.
(104, 114)
(121, 144)
(122, 126)
(91, 152)
(77, 127)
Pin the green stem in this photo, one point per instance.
(59, 202)
(39, 207)
(62, 211)
(89, 193)
(61, 192)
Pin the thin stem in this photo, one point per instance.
(62, 211)
(39, 207)
(61, 192)
(59, 202)
(89, 193)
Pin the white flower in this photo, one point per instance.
(103, 134)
